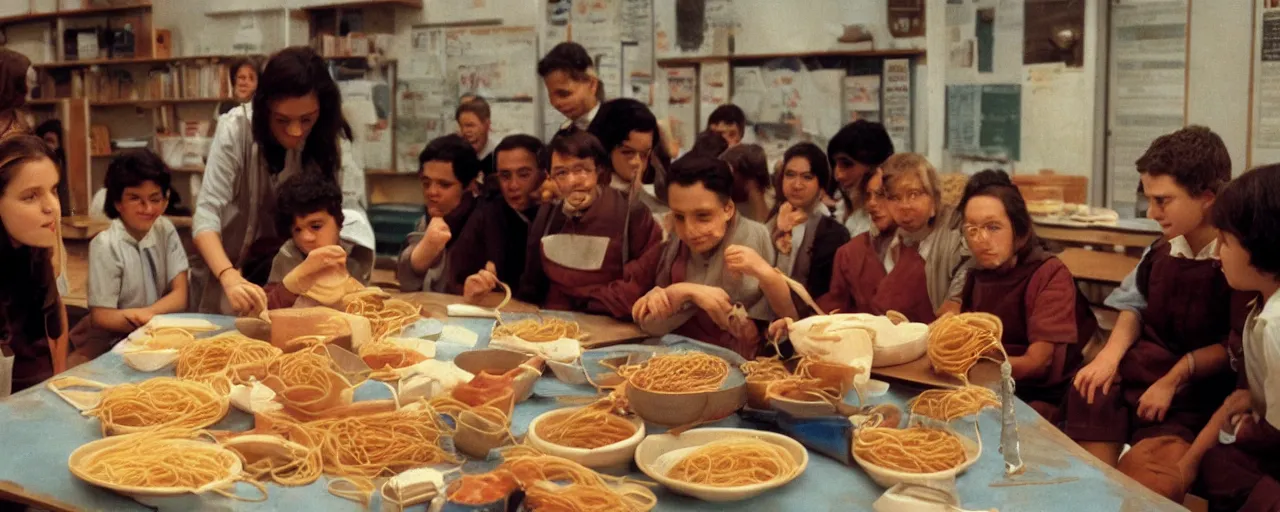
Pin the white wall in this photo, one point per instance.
(1219, 64)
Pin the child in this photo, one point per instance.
(717, 259)
(137, 267)
(806, 237)
(752, 192)
(1167, 349)
(310, 210)
(730, 122)
(32, 321)
(448, 168)
(856, 150)
(1243, 474)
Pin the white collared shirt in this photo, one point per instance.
(1262, 358)
(1179, 248)
(583, 122)
(126, 273)
(490, 144)
(924, 246)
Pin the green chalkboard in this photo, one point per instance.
(1001, 124)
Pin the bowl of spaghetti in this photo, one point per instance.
(918, 454)
(555, 339)
(684, 388)
(591, 436)
(722, 464)
(498, 362)
(156, 463)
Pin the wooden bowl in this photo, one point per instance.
(498, 362)
(676, 409)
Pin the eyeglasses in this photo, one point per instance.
(982, 233)
(579, 171)
(910, 196)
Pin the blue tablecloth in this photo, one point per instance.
(38, 431)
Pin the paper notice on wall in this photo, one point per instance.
(559, 12)
(1267, 86)
(896, 101)
(426, 55)
(422, 113)
(713, 88)
(1147, 88)
(512, 117)
(748, 91)
(862, 98)
(825, 88)
(682, 106)
(636, 20)
(495, 62)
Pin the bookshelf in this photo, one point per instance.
(74, 13)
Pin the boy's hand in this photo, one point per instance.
(778, 329)
(1097, 375)
(323, 258)
(138, 317)
(655, 305)
(1154, 402)
(245, 298)
(715, 301)
(480, 283)
(438, 233)
(746, 261)
(1237, 402)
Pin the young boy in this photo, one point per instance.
(716, 259)
(448, 167)
(729, 121)
(137, 267)
(310, 210)
(1243, 473)
(1168, 347)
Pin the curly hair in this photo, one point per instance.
(300, 196)
(131, 169)
(1194, 156)
(1249, 209)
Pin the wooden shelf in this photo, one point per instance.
(151, 103)
(44, 102)
(77, 13)
(130, 61)
(339, 4)
(685, 61)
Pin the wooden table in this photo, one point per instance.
(1130, 234)
(1098, 266)
(601, 330)
(83, 227)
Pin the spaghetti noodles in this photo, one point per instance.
(686, 372)
(215, 356)
(735, 462)
(294, 464)
(159, 402)
(764, 369)
(375, 445)
(957, 342)
(540, 331)
(153, 460)
(583, 498)
(533, 469)
(387, 316)
(383, 357)
(305, 380)
(911, 450)
(589, 427)
(951, 404)
(165, 338)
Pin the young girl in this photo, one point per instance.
(582, 242)
(1047, 321)
(806, 237)
(293, 126)
(855, 151)
(859, 264)
(572, 84)
(629, 133)
(33, 324)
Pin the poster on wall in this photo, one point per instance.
(1147, 89)
(862, 98)
(495, 62)
(713, 89)
(896, 100)
(682, 104)
(985, 120)
(1267, 88)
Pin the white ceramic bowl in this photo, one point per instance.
(655, 446)
(886, 477)
(901, 353)
(568, 373)
(609, 456)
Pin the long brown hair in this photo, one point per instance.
(27, 273)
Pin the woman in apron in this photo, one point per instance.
(629, 133)
(298, 129)
(804, 233)
(581, 243)
(1047, 321)
(859, 264)
(572, 84)
(33, 323)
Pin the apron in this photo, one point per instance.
(575, 263)
(905, 289)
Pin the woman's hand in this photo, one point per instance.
(745, 260)
(480, 283)
(246, 298)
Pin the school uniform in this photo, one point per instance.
(911, 273)
(496, 233)
(359, 246)
(573, 256)
(127, 273)
(1245, 475)
(436, 278)
(813, 252)
(1188, 305)
(237, 200)
(857, 221)
(673, 262)
(26, 327)
(1037, 300)
(488, 177)
(582, 123)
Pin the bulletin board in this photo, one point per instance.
(496, 62)
(1264, 130)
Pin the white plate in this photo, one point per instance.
(663, 446)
